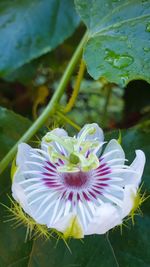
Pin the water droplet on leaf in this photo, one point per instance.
(124, 80)
(133, 23)
(117, 60)
(129, 45)
(146, 49)
(148, 27)
(123, 38)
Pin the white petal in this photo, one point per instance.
(46, 210)
(98, 135)
(106, 217)
(113, 145)
(128, 200)
(18, 191)
(19, 195)
(19, 187)
(58, 132)
(18, 176)
(23, 154)
(63, 223)
(137, 166)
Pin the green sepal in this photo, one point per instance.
(14, 168)
(119, 137)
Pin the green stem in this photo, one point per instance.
(69, 121)
(108, 95)
(50, 107)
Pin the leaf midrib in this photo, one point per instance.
(111, 13)
(115, 25)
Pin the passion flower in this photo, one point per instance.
(73, 185)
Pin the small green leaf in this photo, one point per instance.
(29, 29)
(119, 39)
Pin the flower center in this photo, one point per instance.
(77, 179)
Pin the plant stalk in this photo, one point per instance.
(76, 89)
(105, 111)
(50, 107)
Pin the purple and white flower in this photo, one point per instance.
(73, 185)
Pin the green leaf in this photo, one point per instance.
(29, 29)
(12, 126)
(92, 252)
(14, 252)
(132, 247)
(119, 39)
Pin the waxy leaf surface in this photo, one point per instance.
(119, 39)
(29, 29)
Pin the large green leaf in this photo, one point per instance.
(93, 252)
(12, 126)
(119, 38)
(14, 252)
(130, 248)
(29, 29)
